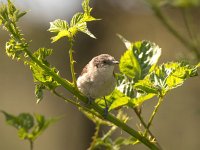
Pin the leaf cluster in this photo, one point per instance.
(29, 126)
(78, 23)
(141, 78)
(9, 16)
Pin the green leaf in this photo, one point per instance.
(26, 121)
(42, 53)
(140, 58)
(23, 120)
(42, 78)
(11, 119)
(61, 27)
(39, 92)
(125, 85)
(58, 25)
(76, 19)
(146, 86)
(86, 8)
(42, 125)
(15, 48)
(77, 23)
(166, 77)
(83, 28)
(25, 125)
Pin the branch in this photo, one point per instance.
(72, 62)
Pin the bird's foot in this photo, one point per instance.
(105, 112)
(89, 102)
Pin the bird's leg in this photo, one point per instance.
(90, 100)
(106, 108)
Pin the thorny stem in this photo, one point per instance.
(76, 104)
(109, 133)
(67, 99)
(169, 26)
(145, 126)
(95, 136)
(143, 122)
(153, 114)
(72, 62)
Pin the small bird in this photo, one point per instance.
(97, 78)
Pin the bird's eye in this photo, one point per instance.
(104, 61)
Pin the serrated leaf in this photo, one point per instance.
(86, 8)
(11, 119)
(77, 18)
(43, 77)
(42, 124)
(166, 77)
(140, 58)
(15, 48)
(83, 28)
(78, 23)
(61, 27)
(125, 85)
(42, 53)
(58, 25)
(61, 34)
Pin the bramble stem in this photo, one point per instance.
(145, 126)
(143, 122)
(66, 99)
(95, 136)
(72, 62)
(153, 114)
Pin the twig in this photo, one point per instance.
(94, 138)
(153, 114)
(31, 144)
(72, 62)
(145, 126)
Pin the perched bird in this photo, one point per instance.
(97, 78)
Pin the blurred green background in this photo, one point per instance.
(177, 123)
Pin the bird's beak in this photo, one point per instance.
(115, 62)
